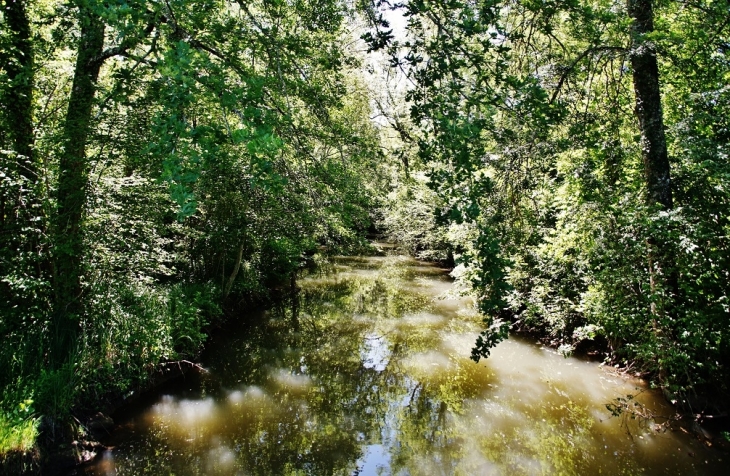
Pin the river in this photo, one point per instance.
(370, 375)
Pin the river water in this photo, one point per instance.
(369, 375)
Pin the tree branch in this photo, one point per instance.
(582, 56)
(125, 46)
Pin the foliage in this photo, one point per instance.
(179, 156)
(410, 219)
(18, 428)
(523, 116)
(160, 160)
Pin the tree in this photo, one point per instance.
(159, 159)
(73, 183)
(645, 73)
(525, 125)
(18, 59)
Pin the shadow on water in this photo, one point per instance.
(369, 374)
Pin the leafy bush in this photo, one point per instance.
(409, 217)
(18, 426)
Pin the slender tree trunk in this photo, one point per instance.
(17, 103)
(662, 270)
(649, 105)
(236, 268)
(19, 98)
(72, 186)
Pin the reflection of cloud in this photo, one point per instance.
(220, 459)
(252, 397)
(235, 397)
(291, 382)
(188, 418)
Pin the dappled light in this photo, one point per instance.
(364, 236)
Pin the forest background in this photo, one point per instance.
(165, 163)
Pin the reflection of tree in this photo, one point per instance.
(431, 433)
(557, 442)
(317, 429)
(303, 400)
(424, 430)
(322, 427)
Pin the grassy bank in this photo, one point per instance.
(18, 430)
(134, 338)
(131, 330)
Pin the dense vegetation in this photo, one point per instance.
(579, 151)
(162, 161)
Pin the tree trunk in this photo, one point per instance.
(649, 105)
(72, 186)
(662, 271)
(22, 224)
(17, 105)
(19, 99)
(16, 100)
(236, 268)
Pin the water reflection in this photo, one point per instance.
(369, 374)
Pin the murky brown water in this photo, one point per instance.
(371, 376)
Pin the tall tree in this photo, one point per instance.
(72, 183)
(645, 74)
(132, 27)
(24, 264)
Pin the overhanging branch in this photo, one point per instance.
(581, 57)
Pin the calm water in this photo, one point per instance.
(370, 375)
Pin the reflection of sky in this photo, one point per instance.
(376, 353)
(375, 461)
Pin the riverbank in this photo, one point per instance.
(146, 337)
(95, 425)
(53, 445)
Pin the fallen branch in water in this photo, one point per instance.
(628, 408)
(187, 363)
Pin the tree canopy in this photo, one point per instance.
(163, 163)
(582, 164)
